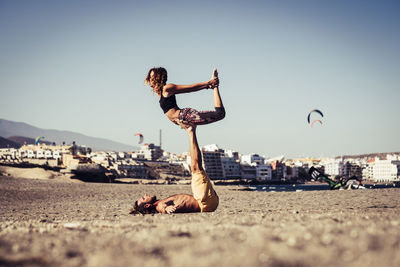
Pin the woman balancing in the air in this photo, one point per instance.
(157, 79)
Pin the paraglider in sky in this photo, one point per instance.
(37, 139)
(314, 121)
(140, 137)
(316, 111)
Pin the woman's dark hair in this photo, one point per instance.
(160, 78)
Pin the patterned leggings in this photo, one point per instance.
(195, 117)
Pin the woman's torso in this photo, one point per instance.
(169, 106)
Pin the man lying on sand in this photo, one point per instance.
(204, 197)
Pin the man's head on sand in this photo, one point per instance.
(144, 205)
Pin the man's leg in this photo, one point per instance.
(196, 162)
(202, 188)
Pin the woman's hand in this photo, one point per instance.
(213, 83)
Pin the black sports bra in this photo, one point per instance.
(166, 103)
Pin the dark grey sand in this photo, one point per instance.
(60, 223)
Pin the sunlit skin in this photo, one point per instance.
(157, 79)
(171, 89)
(180, 203)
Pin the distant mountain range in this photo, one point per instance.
(14, 134)
(7, 143)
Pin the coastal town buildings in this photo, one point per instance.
(292, 172)
(386, 170)
(367, 169)
(213, 164)
(264, 172)
(278, 171)
(376, 169)
(218, 163)
(252, 158)
(231, 167)
(149, 152)
(131, 168)
(351, 168)
(248, 171)
(343, 168)
(332, 167)
(255, 166)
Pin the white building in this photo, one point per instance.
(211, 148)
(252, 158)
(386, 170)
(43, 151)
(39, 154)
(231, 167)
(333, 167)
(9, 153)
(48, 154)
(232, 154)
(102, 158)
(150, 152)
(56, 154)
(256, 171)
(264, 172)
(131, 169)
(30, 154)
(121, 155)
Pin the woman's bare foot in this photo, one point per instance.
(214, 74)
(186, 126)
(190, 128)
(214, 80)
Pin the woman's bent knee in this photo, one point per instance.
(220, 112)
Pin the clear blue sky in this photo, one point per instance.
(80, 66)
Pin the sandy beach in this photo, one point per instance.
(58, 222)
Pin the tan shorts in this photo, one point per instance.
(204, 192)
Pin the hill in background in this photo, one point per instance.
(22, 140)
(6, 143)
(19, 132)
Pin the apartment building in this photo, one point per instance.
(350, 169)
(333, 167)
(150, 152)
(231, 167)
(278, 171)
(213, 164)
(264, 172)
(252, 158)
(248, 171)
(292, 172)
(43, 151)
(132, 169)
(386, 170)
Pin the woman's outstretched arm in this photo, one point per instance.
(180, 89)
